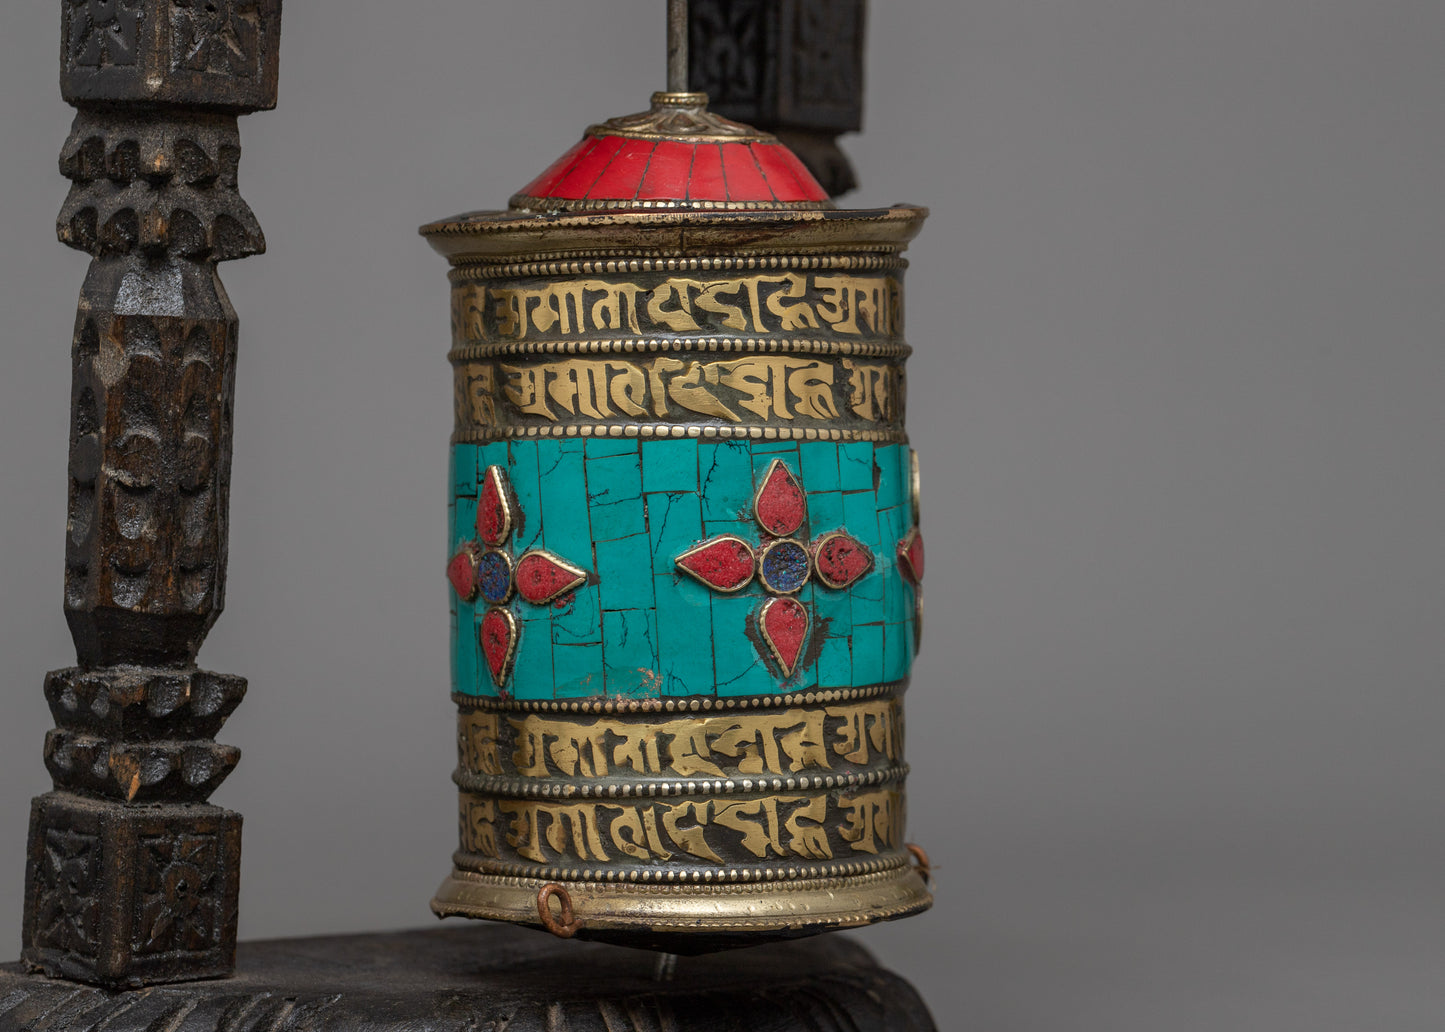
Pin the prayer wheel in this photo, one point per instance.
(684, 556)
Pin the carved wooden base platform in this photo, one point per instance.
(485, 978)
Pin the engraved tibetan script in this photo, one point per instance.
(792, 741)
(754, 389)
(710, 830)
(842, 304)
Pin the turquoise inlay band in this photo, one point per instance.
(624, 510)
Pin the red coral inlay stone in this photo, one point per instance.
(781, 506)
(462, 572)
(724, 563)
(499, 643)
(841, 559)
(910, 557)
(542, 577)
(784, 624)
(494, 512)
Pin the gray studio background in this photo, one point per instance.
(1180, 395)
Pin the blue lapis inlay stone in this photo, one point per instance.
(785, 567)
(494, 575)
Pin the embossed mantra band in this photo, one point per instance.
(685, 565)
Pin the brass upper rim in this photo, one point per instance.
(664, 233)
(502, 221)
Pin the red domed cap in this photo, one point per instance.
(678, 155)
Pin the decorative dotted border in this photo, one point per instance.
(722, 880)
(704, 704)
(522, 203)
(633, 345)
(500, 222)
(665, 430)
(529, 788)
(658, 262)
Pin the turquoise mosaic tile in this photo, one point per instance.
(528, 519)
(470, 676)
(860, 518)
(726, 472)
(825, 512)
(629, 652)
(893, 524)
(806, 676)
(566, 529)
(532, 674)
(669, 466)
(897, 651)
(464, 524)
(614, 491)
(463, 469)
(897, 596)
(855, 466)
(867, 653)
(578, 670)
(740, 670)
(580, 621)
(624, 573)
(866, 599)
(684, 634)
(836, 607)
(675, 524)
(834, 668)
(459, 676)
(820, 466)
(774, 450)
(494, 454)
(602, 447)
(892, 462)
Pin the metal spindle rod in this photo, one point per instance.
(677, 46)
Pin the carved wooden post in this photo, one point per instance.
(793, 67)
(132, 878)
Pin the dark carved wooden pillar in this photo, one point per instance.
(132, 878)
(793, 67)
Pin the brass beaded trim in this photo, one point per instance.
(722, 880)
(645, 346)
(531, 788)
(657, 262)
(683, 705)
(499, 222)
(757, 433)
(524, 204)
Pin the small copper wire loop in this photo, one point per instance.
(920, 861)
(569, 925)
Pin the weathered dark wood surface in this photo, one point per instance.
(130, 878)
(485, 978)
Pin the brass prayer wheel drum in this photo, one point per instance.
(684, 558)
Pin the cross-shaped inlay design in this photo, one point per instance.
(485, 569)
(782, 564)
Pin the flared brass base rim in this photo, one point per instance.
(691, 919)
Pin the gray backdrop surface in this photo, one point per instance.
(1179, 392)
